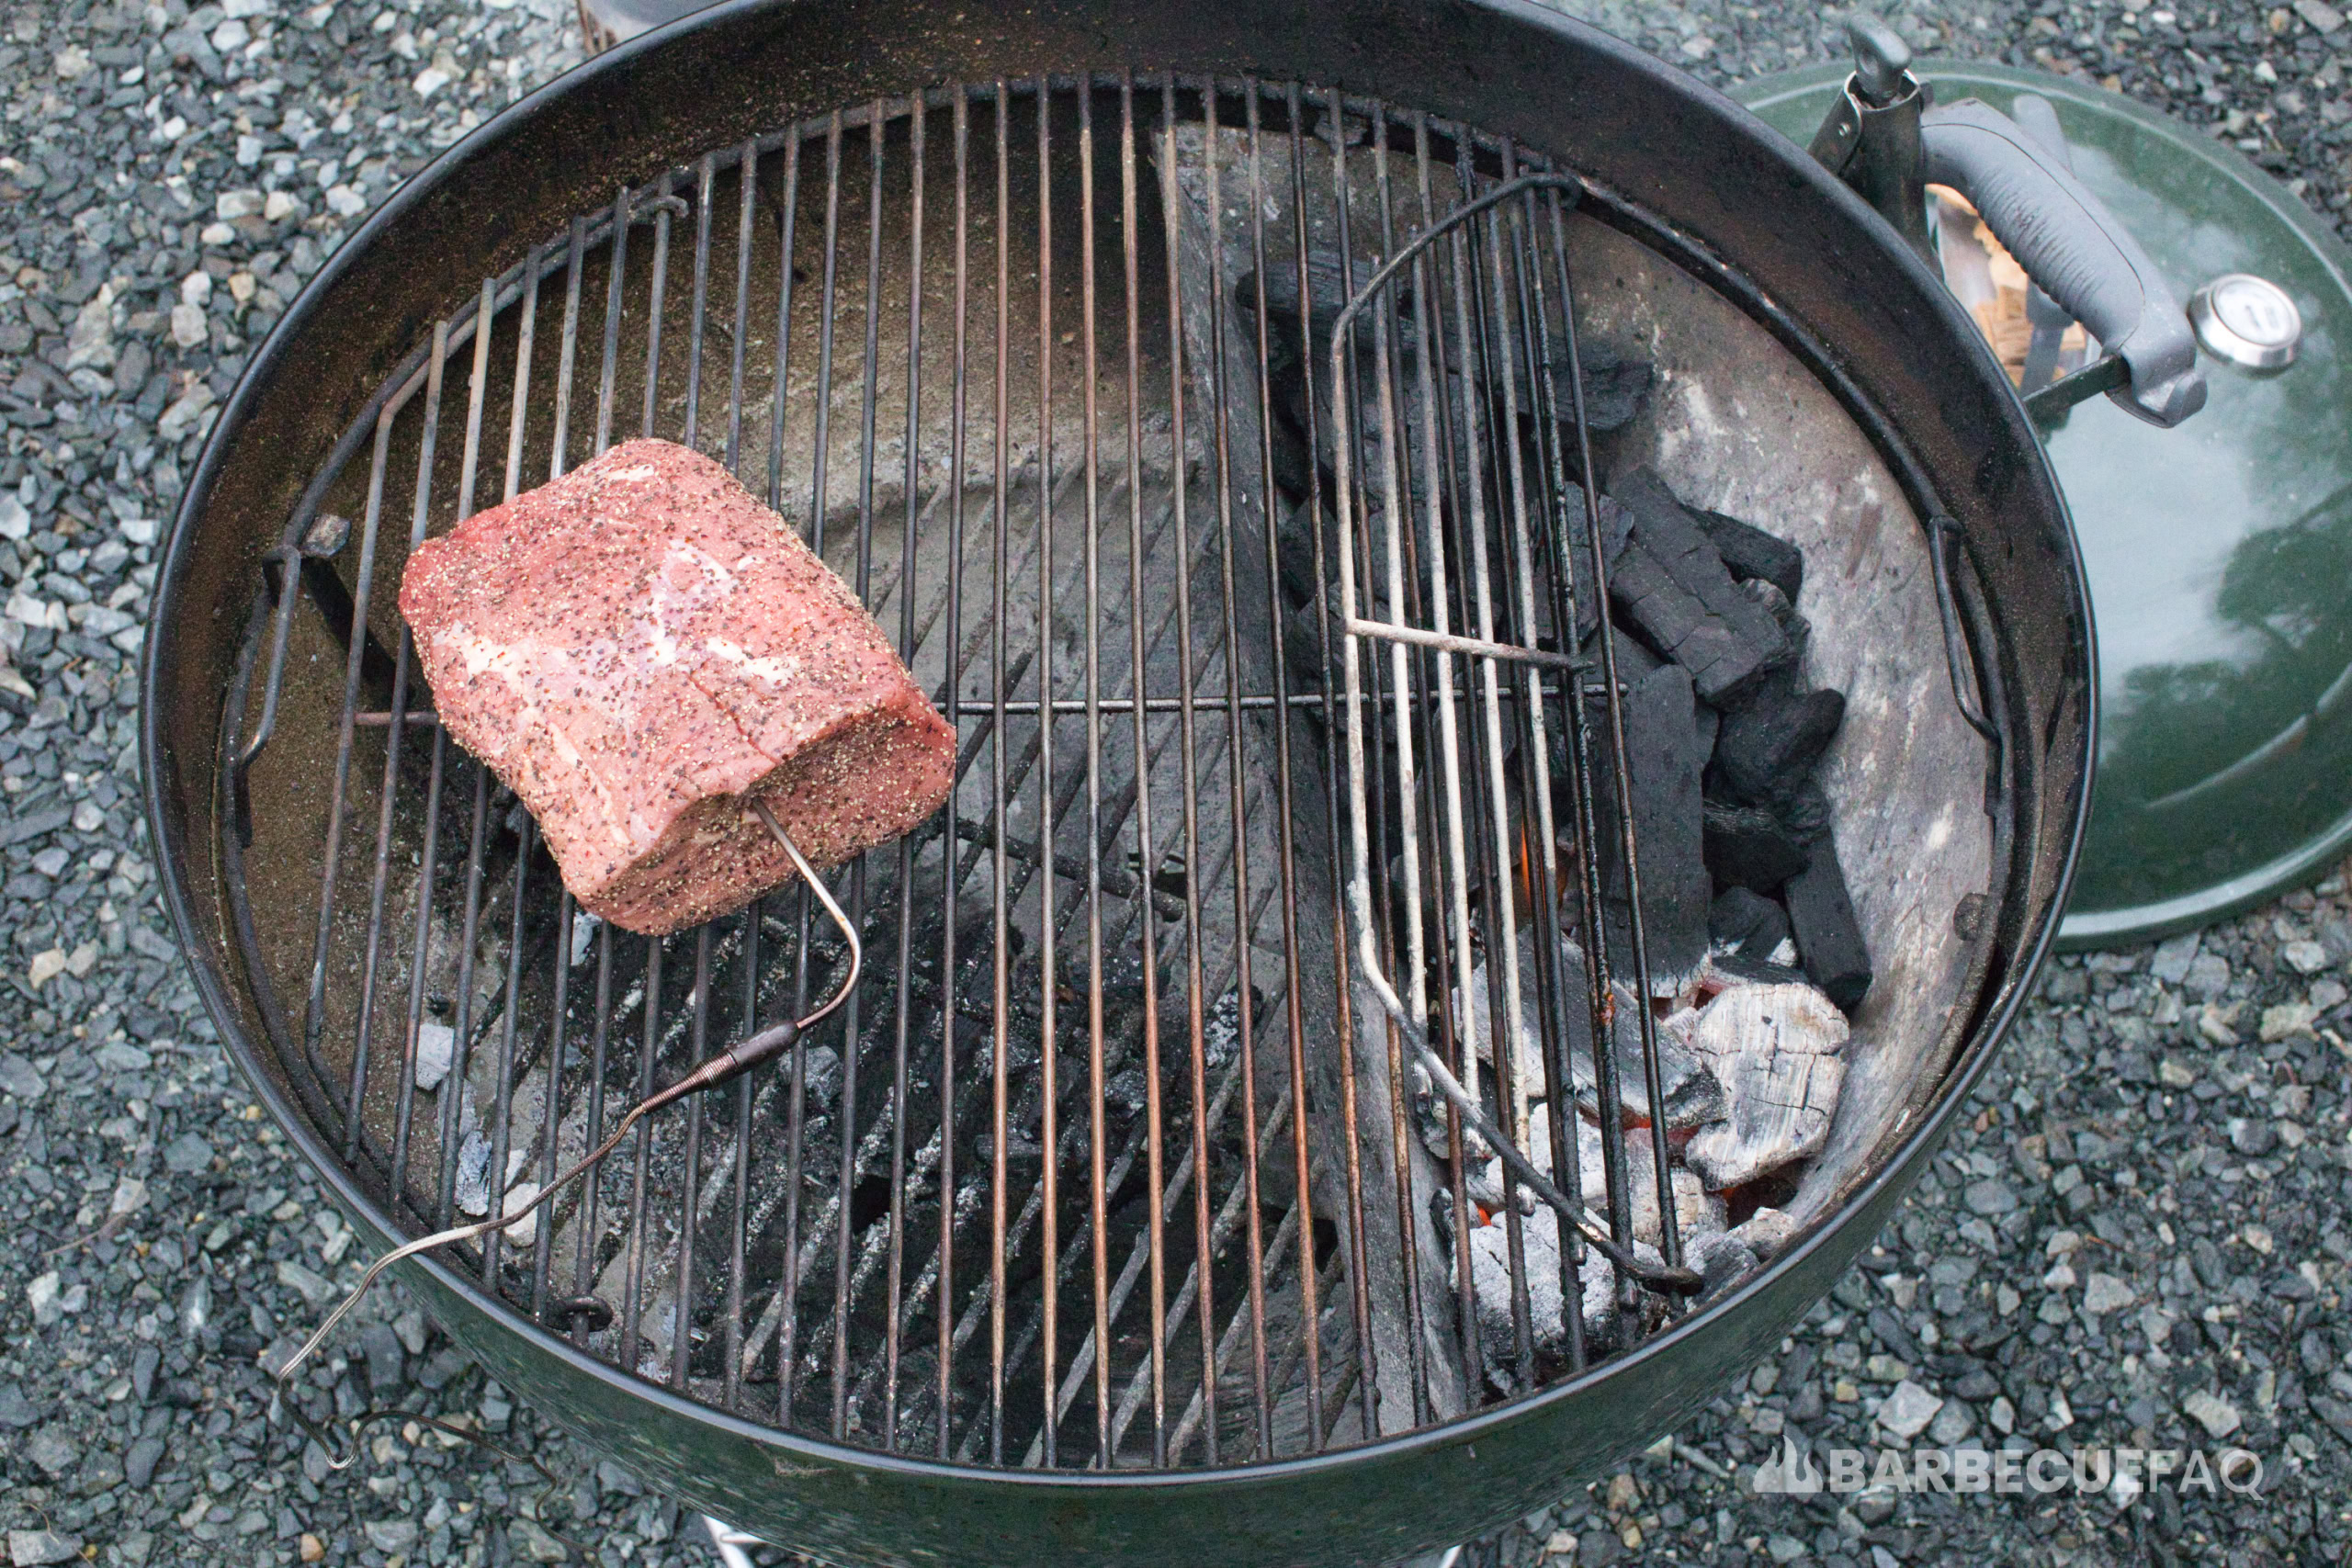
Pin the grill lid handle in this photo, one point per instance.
(2075, 250)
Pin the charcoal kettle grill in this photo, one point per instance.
(1102, 1221)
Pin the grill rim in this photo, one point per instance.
(1703, 1342)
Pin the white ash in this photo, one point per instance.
(1775, 1049)
(436, 1048)
(1693, 1095)
(1540, 1251)
(1697, 1212)
(473, 1175)
(1766, 1231)
(1763, 1061)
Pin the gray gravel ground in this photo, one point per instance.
(2138, 1238)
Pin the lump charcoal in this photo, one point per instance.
(1693, 1095)
(1697, 1212)
(1672, 586)
(1615, 386)
(1328, 293)
(1751, 554)
(1540, 1243)
(1775, 1049)
(1751, 847)
(1775, 604)
(1616, 524)
(1770, 741)
(1766, 1231)
(1295, 551)
(1614, 383)
(1806, 812)
(1741, 968)
(1722, 1261)
(1745, 921)
(1830, 940)
(637, 648)
(1476, 1007)
(1303, 654)
(1633, 661)
(1699, 1221)
(1663, 765)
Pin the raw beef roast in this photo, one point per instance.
(637, 649)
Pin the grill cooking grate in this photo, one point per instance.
(1115, 1125)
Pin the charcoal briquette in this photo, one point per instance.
(1615, 386)
(1753, 970)
(1663, 764)
(1745, 920)
(1749, 846)
(1769, 742)
(1616, 524)
(1830, 940)
(1671, 585)
(1633, 661)
(1748, 552)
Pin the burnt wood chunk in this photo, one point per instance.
(1749, 846)
(1776, 1050)
(1749, 552)
(1830, 940)
(1746, 923)
(1671, 584)
(1692, 1096)
(1663, 763)
(1769, 743)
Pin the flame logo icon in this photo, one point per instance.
(1789, 1474)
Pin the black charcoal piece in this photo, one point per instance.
(1633, 661)
(1615, 524)
(1663, 764)
(1613, 385)
(1747, 846)
(1669, 582)
(1772, 601)
(1804, 812)
(1745, 919)
(1750, 552)
(1614, 388)
(1710, 726)
(1769, 742)
(1693, 1094)
(1294, 548)
(1755, 970)
(1328, 295)
(1830, 940)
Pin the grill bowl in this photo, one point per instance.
(1750, 229)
